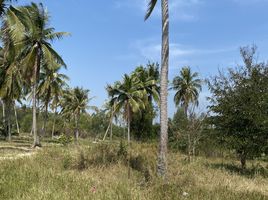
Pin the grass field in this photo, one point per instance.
(100, 171)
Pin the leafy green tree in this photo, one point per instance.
(177, 127)
(31, 34)
(162, 158)
(240, 103)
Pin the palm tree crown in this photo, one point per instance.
(187, 86)
(128, 95)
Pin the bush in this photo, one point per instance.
(64, 140)
(122, 151)
(82, 161)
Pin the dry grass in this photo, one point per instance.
(98, 171)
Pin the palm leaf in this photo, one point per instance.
(151, 6)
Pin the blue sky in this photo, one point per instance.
(110, 38)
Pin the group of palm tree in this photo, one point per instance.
(27, 51)
(134, 93)
(30, 67)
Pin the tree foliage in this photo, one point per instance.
(239, 106)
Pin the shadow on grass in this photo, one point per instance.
(249, 172)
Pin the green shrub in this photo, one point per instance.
(82, 161)
(64, 140)
(122, 151)
(67, 161)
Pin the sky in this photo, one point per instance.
(110, 38)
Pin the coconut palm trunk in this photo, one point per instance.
(76, 127)
(162, 156)
(109, 127)
(188, 134)
(128, 123)
(35, 78)
(111, 131)
(4, 114)
(16, 118)
(54, 122)
(106, 132)
(8, 121)
(45, 121)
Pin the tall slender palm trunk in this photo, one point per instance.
(76, 127)
(16, 118)
(128, 123)
(9, 121)
(111, 131)
(162, 156)
(45, 121)
(54, 122)
(4, 114)
(188, 134)
(35, 78)
(36, 137)
(106, 132)
(128, 136)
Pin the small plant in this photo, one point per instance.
(137, 163)
(81, 162)
(67, 161)
(122, 151)
(64, 140)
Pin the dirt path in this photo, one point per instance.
(25, 152)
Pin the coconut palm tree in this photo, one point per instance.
(75, 102)
(149, 78)
(50, 87)
(128, 95)
(11, 83)
(187, 86)
(11, 86)
(31, 35)
(162, 160)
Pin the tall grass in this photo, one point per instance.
(99, 171)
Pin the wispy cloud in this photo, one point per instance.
(184, 10)
(179, 54)
(249, 2)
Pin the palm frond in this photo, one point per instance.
(151, 6)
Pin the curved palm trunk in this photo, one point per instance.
(16, 117)
(35, 78)
(162, 156)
